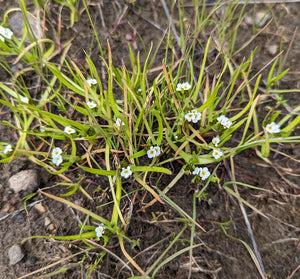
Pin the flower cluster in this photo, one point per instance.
(91, 81)
(56, 156)
(100, 230)
(5, 33)
(7, 149)
(193, 116)
(183, 86)
(225, 122)
(126, 172)
(202, 172)
(273, 128)
(153, 152)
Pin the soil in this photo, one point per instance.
(219, 256)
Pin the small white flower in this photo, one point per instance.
(91, 104)
(215, 140)
(157, 150)
(204, 173)
(91, 81)
(189, 116)
(100, 230)
(42, 129)
(197, 171)
(140, 90)
(69, 130)
(5, 33)
(24, 99)
(7, 149)
(217, 154)
(57, 160)
(186, 86)
(273, 128)
(197, 117)
(118, 122)
(56, 152)
(179, 86)
(227, 124)
(126, 172)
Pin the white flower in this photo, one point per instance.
(42, 129)
(153, 152)
(140, 90)
(217, 154)
(186, 86)
(69, 130)
(204, 173)
(91, 81)
(225, 122)
(5, 33)
(273, 128)
(215, 140)
(197, 171)
(91, 104)
(100, 230)
(56, 152)
(193, 116)
(24, 99)
(7, 149)
(126, 172)
(57, 160)
(118, 122)
(179, 86)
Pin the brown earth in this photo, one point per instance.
(219, 256)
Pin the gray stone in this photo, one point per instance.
(15, 254)
(16, 24)
(26, 181)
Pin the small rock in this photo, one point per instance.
(26, 181)
(15, 254)
(40, 208)
(272, 49)
(47, 222)
(16, 24)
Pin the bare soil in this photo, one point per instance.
(219, 256)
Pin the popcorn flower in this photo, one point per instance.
(69, 130)
(91, 81)
(24, 99)
(225, 122)
(56, 152)
(7, 149)
(183, 86)
(202, 172)
(5, 33)
(215, 140)
(153, 152)
(126, 172)
(118, 122)
(273, 128)
(193, 116)
(57, 160)
(100, 230)
(91, 104)
(217, 154)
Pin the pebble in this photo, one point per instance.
(16, 24)
(24, 182)
(15, 254)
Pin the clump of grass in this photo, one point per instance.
(179, 115)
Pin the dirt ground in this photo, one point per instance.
(219, 256)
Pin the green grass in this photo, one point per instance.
(153, 113)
